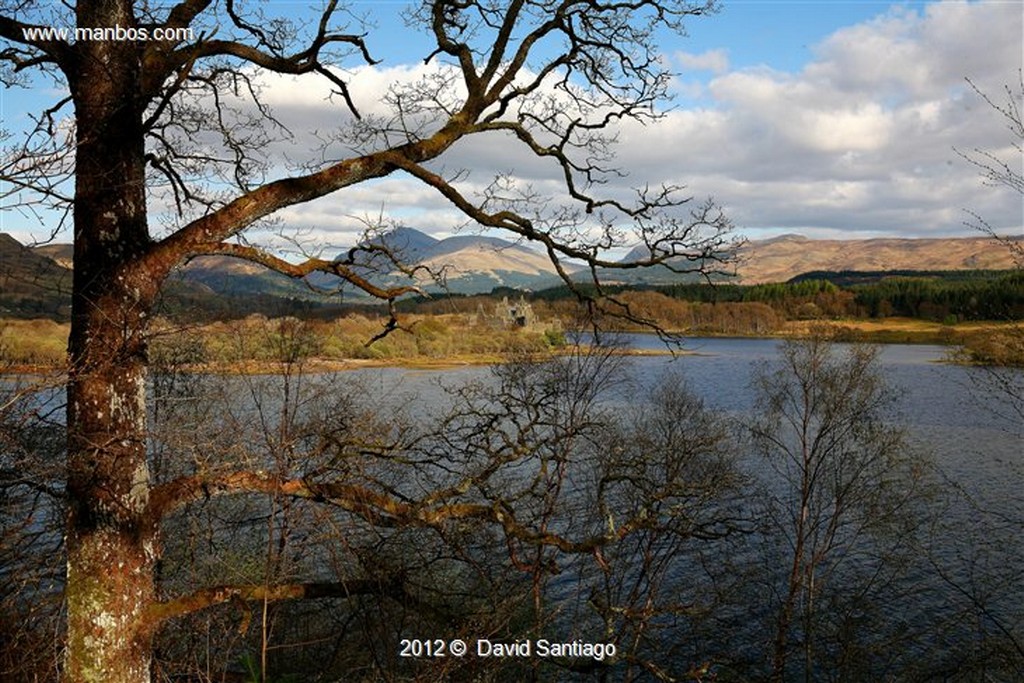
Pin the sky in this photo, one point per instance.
(827, 119)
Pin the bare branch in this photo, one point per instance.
(185, 12)
(377, 508)
(217, 595)
(993, 169)
(301, 270)
(53, 51)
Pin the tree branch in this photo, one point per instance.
(216, 595)
(376, 508)
(15, 31)
(184, 13)
(301, 270)
(306, 61)
(202, 234)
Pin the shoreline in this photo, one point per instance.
(320, 365)
(897, 331)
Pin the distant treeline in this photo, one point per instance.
(998, 297)
(944, 296)
(187, 304)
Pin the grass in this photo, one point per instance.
(31, 344)
(258, 344)
(1003, 346)
(882, 330)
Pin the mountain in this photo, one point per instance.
(464, 264)
(654, 275)
(408, 244)
(36, 282)
(31, 284)
(782, 258)
(61, 254)
(226, 275)
(472, 263)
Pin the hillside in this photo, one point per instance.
(782, 258)
(31, 284)
(471, 263)
(35, 282)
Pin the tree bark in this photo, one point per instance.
(111, 543)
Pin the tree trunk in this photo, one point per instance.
(111, 545)
(794, 584)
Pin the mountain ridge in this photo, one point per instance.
(33, 278)
(782, 259)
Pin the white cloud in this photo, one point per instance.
(715, 61)
(862, 138)
(858, 142)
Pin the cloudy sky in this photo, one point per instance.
(829, 119)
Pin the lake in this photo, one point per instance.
(953, 610)
(959, 592)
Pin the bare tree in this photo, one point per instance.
(671, 462)
(553, 76)
(557, 517)
(1008, 173)
(996, 170)
(986, 571)
(840, 508)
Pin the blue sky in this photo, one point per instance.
(830, 119)
(772, 33)
(780, 34)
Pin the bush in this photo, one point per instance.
(1004, 348)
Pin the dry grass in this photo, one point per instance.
(25, 344)
(884, 331)
(258, 344)
(1003, 346)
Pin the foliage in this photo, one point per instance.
(1000, 298)
(953, 296)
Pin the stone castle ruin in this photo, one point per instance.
(508, 314)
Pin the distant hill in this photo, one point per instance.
(463, 264)
(226, 275)
(31, 284)
(783, 258)
(37, 281)
(408, 244)
(474, 263)
(61, 254)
